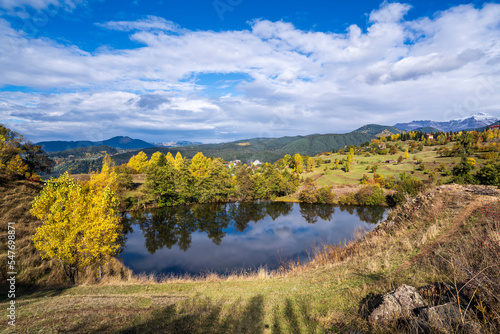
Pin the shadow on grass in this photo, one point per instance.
(201, 315)
(295, 317)
(31, 291)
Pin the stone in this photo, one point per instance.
(397, 304)
(445, 317)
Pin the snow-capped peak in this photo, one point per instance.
(479, 116)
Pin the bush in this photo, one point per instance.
(370, 195)
(462, 172)
(407, 185)
(311, 194)
(348, 200)
(489, 174)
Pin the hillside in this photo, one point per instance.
(83, 151)
(119, 142)
(378, 130)
(426, 242)
(263, 149)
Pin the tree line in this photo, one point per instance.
(178, 180)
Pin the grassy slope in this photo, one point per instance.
(328, 294)
(428, 155)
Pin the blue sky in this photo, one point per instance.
(221, 70)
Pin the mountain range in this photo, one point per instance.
(119, 143)
(177, 143)
(272, 149)
(474, 121)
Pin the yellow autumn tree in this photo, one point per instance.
(138, 162)
(179, 160)
(81, 223)
(200, 164)
(407, 155)
(170, 157)
(156, 158)
(17, 165)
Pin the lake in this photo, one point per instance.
(224, 238)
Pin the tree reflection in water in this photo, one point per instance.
(171, 226)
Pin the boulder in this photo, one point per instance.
(445, 317)
(397, 304)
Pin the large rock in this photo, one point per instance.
(445, 316)
(400, 303)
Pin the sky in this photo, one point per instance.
(221, 70)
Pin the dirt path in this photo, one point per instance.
(428, 249)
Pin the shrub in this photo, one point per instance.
(489, 174)
(407, 185)
(348, 200)
(311, 194)
(370, 195)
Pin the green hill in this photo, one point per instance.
(378, 130)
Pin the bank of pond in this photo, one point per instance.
(224, 238)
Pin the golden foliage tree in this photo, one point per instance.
(200, 164)
(179, 161)
(81, 223)
(138, 162)
(156, 158)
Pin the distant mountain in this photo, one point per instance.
(177, 143)
(378, 130)
(474, 121)
(427, 129)
(120, 142)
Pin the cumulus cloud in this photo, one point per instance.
(389, 12)
(296, 81)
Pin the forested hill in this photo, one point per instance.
(119, 142)
(378, 130)
(264, 149)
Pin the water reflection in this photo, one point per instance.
(250, 234)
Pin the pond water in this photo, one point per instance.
(224, 238)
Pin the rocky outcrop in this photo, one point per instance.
(397, 304)
(407, 304)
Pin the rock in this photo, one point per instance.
(397, 304)
(445, 317)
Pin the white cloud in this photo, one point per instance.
(389, 12)
(148, 24)
(300, 82)
(19, 7)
